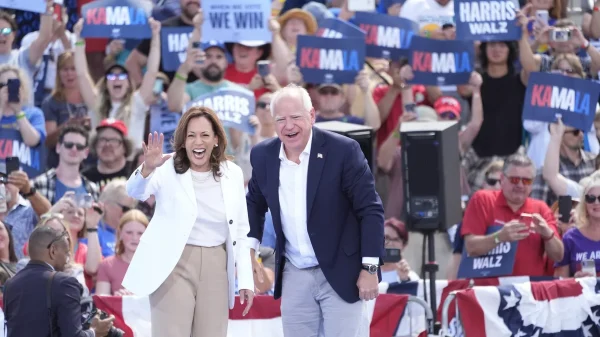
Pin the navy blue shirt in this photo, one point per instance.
(61, 189)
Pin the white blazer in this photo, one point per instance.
(162, 243)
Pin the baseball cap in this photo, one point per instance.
(318, 10)
(329, 85)
(115, 124)
(447, 107)
(215, 44)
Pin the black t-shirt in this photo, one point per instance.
(92, 174)
(501, 132)
(144, 47)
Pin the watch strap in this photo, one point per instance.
(32, 191)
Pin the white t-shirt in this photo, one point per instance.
(211, 228)
(429, 14)
(54, 50)
(137, 121)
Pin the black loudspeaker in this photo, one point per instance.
(431, 175)
(360, 133)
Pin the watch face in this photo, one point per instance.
(372, 269)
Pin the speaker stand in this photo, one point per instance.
(430, 268)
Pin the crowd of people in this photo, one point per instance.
(87, 105)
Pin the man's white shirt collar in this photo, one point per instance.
(306, 150)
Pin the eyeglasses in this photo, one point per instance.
(69, 145)
(591, 199)
(3, 179)
(262, 105)
(114, 77)
(574, 132)
(6, 31)
(124, 208)
(329, 91)
(58, 238)
(449, 115)
(389, 239)
(525, 181)
(492, 181)
(110, 141)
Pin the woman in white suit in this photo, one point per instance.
(186, 259)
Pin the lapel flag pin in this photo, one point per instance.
(319, 155)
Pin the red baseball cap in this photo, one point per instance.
(446, 105)
(112, 123)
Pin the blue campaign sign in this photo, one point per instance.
(336, 29)
(174, 43)
(237, 20)
(36, 6)
(32, 159)
(498, 262)
(325, 60)
(487, 20)
(550, 96)
(387, 37)
(441, 62)
(234, 106)
(116, 19)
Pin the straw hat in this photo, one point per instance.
(306, 17)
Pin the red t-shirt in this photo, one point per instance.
(390, 124)
(487, 207)
(92, 45)
(235, 76)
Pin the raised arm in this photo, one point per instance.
(86, 86)
(146, 89)
(551, 169)
(39, 45)
(467, 135)
(143, 182)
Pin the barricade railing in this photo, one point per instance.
(445, 331)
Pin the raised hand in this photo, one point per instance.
(153, 153)
(78, 28)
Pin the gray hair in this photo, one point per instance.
(519, 160)
(114, 191)
(292, 91)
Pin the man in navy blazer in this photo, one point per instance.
(327, 216)
(25, 295)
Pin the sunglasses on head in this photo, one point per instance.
(574, 132)
(69, 145)
(448, 115)
(6, 31)
(262, 105)
(591, 199)
(492, 181)
(58, 238)
(114, 77)
(329, 91)
(525, 181)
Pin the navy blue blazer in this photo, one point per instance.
(25, 306)
(344, 212)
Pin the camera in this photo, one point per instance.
(82, 200)
(87, 322)
(560, 34)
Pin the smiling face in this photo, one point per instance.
(109, 145)
(214, 64)
(200, 142)
(117, 84)
(7, 37)
(245, 55)
(292, 28)
(592, 202)
(293, 123)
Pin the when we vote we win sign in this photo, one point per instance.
(500, 261)
(237, 20)
(487, 20)
(550, 96)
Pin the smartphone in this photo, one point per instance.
(197, 45)
(84, 200)
(560, 34)
(392, 255)
(361, 5)
(565, 203)
(526, 219)
(159, 86)
(3, 204)
(542, 16)
(14, 86)
(264, 68)
(12, 164)
(588, 266)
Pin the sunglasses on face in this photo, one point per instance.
(448, 115)
(6, 31)
(114, 77)
(492, 181)
(69, 145)
(329, 91)
(591, 199)
(124, 208)
(573, 132)
(262, 105)
(525, 181)
(3, 179)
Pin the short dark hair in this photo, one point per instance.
(127, 143)
(72, 128)
(40, 239)
(517, 159)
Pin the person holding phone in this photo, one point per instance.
(395, 268)
(582, 241)
(199, 227)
